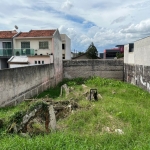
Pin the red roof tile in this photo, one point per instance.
(7, 34)
(37, 33)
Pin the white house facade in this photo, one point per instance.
(66, 47)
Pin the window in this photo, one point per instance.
(63, 46)
(6, 44)
(63, 56)
(39, 62)
(43, 45)
(35, 62)
(131, 47)
(25, 48)
(42, 62)
(25, 45)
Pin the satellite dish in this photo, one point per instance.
(16, 27)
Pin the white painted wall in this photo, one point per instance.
(32, 59)
(67, 41)
(34, 44)
(141, 54)
(142, 51)
(128, 56)
(18, 65)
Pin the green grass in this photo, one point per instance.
(123, 106)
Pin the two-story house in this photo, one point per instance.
(41, 47)
(6, 47)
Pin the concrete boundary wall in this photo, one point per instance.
(85, 68)
(137, 75)
(17, 84)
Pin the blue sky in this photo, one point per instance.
(104, 22)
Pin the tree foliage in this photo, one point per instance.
(92, 52)
(119, 55)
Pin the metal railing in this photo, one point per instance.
(8, 52)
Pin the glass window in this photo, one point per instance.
(39, 62)
(35, 62)
(63, 46)
(42, 62)
(43, 45)
(6, 44)
(25, 45)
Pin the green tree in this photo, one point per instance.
(80, 53)
(119, 55)
(92, 52)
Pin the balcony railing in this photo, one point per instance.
(17, 52)
(24, 52)
(6, 52)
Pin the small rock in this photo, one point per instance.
(99, 96)
(119, 131)
(113, 92)
(105, 129)
(84, 86)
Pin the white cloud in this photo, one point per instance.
(83, 21)
(142, 27)
(67, 5)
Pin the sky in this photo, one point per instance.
(106, 23)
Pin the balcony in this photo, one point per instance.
(6, 52)
(24, 52)
(17, 52)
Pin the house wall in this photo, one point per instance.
(22, 83)
(34, 44)
(17, 65)
(86, 68)
(67, 41)
(128, 56)
(142, 51)
(137, 71)
(32, 59)
(57, 55)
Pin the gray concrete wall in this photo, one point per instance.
(137, 75)
(57, 53)
(17, 84)
(86, 68)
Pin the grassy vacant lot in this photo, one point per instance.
(123, 106)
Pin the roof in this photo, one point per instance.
(119, 45)
(37, 33)
(7, 34)
(84, 54)
(18, 59)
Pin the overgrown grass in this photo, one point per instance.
(123, 106)
(55, 91)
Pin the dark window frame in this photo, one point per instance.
(43, 45)
(63, 46)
